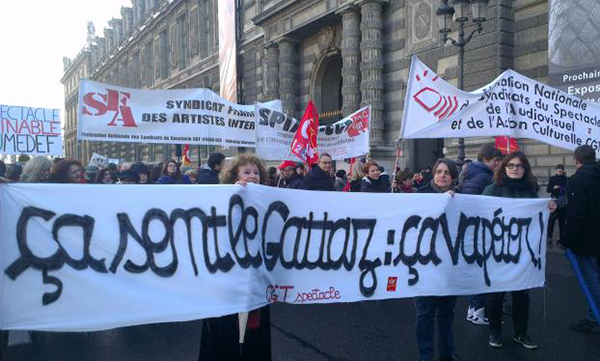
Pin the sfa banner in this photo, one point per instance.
(208, 251)
(512, 105)
(343, 139)
(190, 116)
(27, 130)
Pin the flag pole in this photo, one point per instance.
(398, 150)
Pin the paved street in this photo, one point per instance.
(381, 330)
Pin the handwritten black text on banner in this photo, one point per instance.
(27, 130)
(208, 251)
(192, 116)
(512, 105)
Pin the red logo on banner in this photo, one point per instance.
(431, 100)
(392, 282)
(304, 145)
(97, 104)
(360, 123)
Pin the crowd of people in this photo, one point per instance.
(575, 204)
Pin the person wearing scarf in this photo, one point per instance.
(512, 179)
(440, 308)
(372, 182)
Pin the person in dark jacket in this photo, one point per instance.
(372, 182)
(557, 186)
(142, 171)
(513, 179)
(171, 174)
(318, 178)
(404, 182)
(583, 232)
(209, 173)
(475, 178)
(440, 308)
(357, 176)
(340, 180)
(289, 177)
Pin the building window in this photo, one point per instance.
(182, 41)
(207, 27)
(164, 54)
(149, 64)
(135, 70)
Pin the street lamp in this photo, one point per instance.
(459, 12)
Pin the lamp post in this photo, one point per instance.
(459, 12)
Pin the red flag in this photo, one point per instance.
(506, 145)
(186, 155)
(304, 145)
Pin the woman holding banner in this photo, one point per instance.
(437, 307)
(512, 179)
(220, 336)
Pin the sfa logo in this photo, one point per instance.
(98, 104)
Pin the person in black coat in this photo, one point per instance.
(318, 178)
(476, 177)
(557, 187)
(373, 182)
(583, 233)
(432, 310)
(289, 177)
(209, 173)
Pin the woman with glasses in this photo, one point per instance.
(512, 179)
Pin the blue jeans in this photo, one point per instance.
(590, 269)
(428, 309)
(477, 301)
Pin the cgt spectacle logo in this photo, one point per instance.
(431, 100)
(98, 104)
(360, 123)
(392, 283)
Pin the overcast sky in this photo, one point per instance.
(34, 37)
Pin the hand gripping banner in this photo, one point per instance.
(512, 105)
(208, 251)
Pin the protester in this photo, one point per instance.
(300, 170)
(209, 173)
(272, 177)
(192, 174)
(512, 179)
(440, 308)
(128, 177)
(171, 174)
(418, 181)
(2, 169)
(220, 335)
(582, 234)
(105, 176)
(557, 186)
(340, 180)
(155, 172)
(476, 177)
(372, 182)
(91, 171)
(357, 176)
(384, 176)
(13, 173)
(404, 182)
(66, 171)
(318, 178)
(142, 171)
(36, 170)
(288, 177)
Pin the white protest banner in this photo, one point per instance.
(206, 251)
(512, 105)
(27, 130)
(99, 160)
(343, 139)
(191, 116)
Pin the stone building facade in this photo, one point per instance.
(343, 54)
